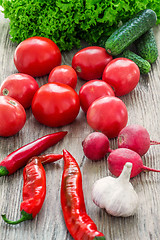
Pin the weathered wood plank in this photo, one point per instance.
(143, 108)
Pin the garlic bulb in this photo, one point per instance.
(116, 195)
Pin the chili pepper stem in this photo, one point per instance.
(99, 238)
(3, 171)
(25, 216)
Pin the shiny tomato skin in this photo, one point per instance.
(108, 115)
(92, 90)
(63, 74)
(122, 74)
(12, 116)
(89, 62)
(55, 104)
(21, 87)
(37, 56)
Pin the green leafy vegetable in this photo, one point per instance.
(66, 22)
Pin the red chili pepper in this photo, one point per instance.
(34, 191)
(19, 158)
(78, 223)
(48, 158)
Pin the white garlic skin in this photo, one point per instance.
(116, 195)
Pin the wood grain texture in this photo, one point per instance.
(143, 108)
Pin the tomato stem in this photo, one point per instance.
(5, 92)
(13, 102)
(78, 69)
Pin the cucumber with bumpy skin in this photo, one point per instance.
(147, 47)
(130, 31)
(144, 65)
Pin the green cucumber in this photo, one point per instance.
(130, 31)
(147, 47)
(144, 66)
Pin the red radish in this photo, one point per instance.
(136, 138)
(96, 146)
(120, 156)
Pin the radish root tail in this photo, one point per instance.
(154, 142)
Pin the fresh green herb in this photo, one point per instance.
(66, 22)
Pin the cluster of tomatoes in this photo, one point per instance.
(57, 103)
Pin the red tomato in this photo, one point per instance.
(122, 74)
(12, 117)
(89, 63)
(63, 74)
(21, 87)
(108, 115)
(55, 104)
(37, 56)
(93, 90)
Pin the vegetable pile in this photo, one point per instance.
(67, 22)
(57, 103)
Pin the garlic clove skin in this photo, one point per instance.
(122, 203)
(101, 190)
(116, 195)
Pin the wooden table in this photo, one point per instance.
(143, 108)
